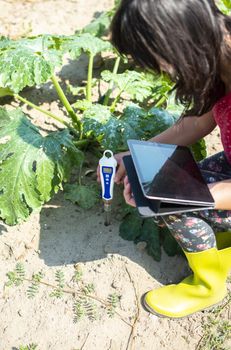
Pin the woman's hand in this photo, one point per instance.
(128, 196)
(120, 173)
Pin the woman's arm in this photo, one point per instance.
(188, 130)
(221, 192)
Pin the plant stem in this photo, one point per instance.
(81, 143)
(134, 325)
(66, 103)
(111, 84)
(51, 115)
(89, 77)
(161, 101)
(113, 106)
(80, 174)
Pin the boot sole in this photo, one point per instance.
(152, 311)
(149, 309)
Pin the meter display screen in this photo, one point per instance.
(107, 170)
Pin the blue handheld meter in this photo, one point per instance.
(107, 165)
(107, 174)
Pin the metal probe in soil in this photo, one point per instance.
(107, 213)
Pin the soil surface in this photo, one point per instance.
(67, 238)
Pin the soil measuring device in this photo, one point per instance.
(107, 165)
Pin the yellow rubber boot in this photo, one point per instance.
(206, 287)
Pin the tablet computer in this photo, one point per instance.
(168, 178)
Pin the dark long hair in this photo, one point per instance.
(186, 34)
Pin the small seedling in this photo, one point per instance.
(28, 347)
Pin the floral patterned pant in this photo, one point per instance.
(195, 231)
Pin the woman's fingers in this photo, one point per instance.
(120, 173)
(129, 199)
(119, 176)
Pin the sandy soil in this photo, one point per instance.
(68, 238)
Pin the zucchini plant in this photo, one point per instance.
(135, 104)
(33, 167)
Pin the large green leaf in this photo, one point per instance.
(94, 119)
(199, 150)
(4, 42)
(5, 92)
(161, 87)
(85, 196)
(131, 227)
(147, 124)
(157, 120)
(109, 135)
(110, 132)
(32, 167)
(116, 133)
(131, 82)
(170, 245)
(135, 123)
(28, 62)
(174, 108)
(79, 43)
(150, 234)
(134, 117)
(134, 228)
(140, 86)
(98, 26)
(98, 113)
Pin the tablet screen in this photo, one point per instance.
(168, 172)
